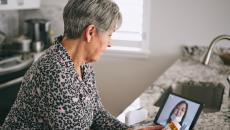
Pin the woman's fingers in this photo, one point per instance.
(155, 127)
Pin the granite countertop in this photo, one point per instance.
(189, 68)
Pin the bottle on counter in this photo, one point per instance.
(172, 126)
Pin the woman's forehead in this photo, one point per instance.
(182, 105)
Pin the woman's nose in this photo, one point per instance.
(180, 113)
(109, 43)
(177, 113)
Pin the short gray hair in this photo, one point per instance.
(78, 14)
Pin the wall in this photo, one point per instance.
(9, 23)
(173, 24)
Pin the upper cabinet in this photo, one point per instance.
(19, 4)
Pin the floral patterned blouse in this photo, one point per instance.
(53, 97)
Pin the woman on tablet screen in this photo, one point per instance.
(177, 116)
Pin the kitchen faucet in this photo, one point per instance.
(211, 46)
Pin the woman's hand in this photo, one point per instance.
(155, 127)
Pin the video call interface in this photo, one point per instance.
(178, 113)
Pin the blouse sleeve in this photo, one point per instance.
(103, 120)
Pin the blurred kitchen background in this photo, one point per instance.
(121, 78)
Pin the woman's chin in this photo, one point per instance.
(94, 59)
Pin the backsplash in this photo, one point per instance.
(12, 21)
(49, 11)
(9, 22)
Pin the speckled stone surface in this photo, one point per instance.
(190, 68)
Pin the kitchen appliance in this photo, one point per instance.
(16, 46)
(38, 46)
(21, 45)
(4, 47)
(38, 30)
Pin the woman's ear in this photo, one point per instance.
(89, 32)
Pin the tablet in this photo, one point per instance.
(178, 113)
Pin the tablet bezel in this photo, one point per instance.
(174, 94)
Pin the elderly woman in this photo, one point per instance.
(59, 90)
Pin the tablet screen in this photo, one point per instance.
(178, 112)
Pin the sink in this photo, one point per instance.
(209, 93)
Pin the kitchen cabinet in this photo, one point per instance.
(19, 4)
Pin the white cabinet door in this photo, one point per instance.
(19, 4)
